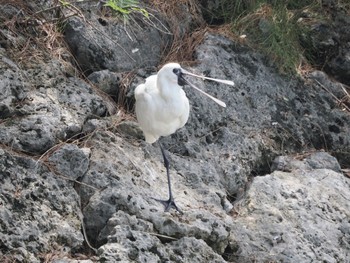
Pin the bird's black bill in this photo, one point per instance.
(181, 81)
(221, 103)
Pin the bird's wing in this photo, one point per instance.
(156, 116)
(147, 87)
(139, 91)
(145, 108)
(185, 114)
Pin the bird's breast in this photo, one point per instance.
(173, 114)
(160, 113)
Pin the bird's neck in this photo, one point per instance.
(169, 90)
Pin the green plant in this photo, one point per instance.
(278, 37)
(126, 7)
(272, 27)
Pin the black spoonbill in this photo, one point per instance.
(162, 108)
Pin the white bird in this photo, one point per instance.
(162, 108)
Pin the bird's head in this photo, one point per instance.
(173, 73)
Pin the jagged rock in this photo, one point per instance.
(34, 120)
(39, 210)
(295, 216)
(111, 45)
(70, 161)
(13, 89)
(133, 239)
(107, 81)
(130, 128)
(190, 248)
(328, 43)
(286, 164)
(318, 160)
(298, 213)
(322, 160)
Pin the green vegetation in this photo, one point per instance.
(125, 8)
(275, 30)
(272, 26)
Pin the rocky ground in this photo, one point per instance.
(264, 180)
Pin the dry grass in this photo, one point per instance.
(343, 102)
(183, 43)
(227, 31)
(182, 49)
(272, 30)
(124, 86)
(34, 37)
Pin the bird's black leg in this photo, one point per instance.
(170, 203)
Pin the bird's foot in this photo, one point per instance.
(168, 204)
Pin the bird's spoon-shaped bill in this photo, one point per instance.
(227, 82)
(224, 81)
(221, 103)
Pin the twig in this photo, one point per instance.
(163, 236)
(335, 97)
(81, 217)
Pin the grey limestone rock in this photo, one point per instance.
(111, 45)
(70, 161)
(39, 211)
(63, 160)
(296, 216)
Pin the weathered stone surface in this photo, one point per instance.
(107, 81)
(70, 161)
(13, 89)
(34, 120)
(62, 160)
(134, 239)
(111, 45)
(296, 216)
(39, 211)
(327, 40)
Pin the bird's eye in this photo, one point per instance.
(177, 71)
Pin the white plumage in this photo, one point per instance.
(161, 104)
(162, 107)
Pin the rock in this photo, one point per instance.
(234, 143)
(328, 43)
(133, 239)
(324, 82)
(131, 129)
(92, 125)
(70, 161)
(287, 164)
(322, 160)
(220, 161)
(190, 248)
(288, 217)
(13, 89)
(317, 160)
(129, 238)
(114, 46)
(104, 43)
(339, 64)
(52, 112)
(107, 81)
(39, 210)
